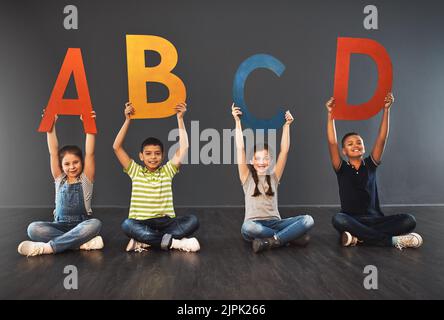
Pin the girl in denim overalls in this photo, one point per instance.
(72, 227)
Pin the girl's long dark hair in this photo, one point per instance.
(253, 171)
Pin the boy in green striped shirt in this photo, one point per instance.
(152, 221)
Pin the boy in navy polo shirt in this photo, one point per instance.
(361, 220)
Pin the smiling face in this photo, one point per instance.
(72, 165)
(353, 147)
(261, 161)
(151, 156)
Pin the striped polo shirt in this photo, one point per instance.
(152, 193)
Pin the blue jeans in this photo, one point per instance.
(285, 230)
(159, 232)
(63, 236)
(374, 230)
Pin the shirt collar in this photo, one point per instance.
(146, 171)
(65, 178)
(362, 164)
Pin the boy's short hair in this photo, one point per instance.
(151, 141)
(348, 135)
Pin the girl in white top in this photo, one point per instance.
(263, 225)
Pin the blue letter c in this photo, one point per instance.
(249, 65)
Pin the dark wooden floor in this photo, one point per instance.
(226, 267)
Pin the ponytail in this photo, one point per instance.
(269, 190)
(255, 179)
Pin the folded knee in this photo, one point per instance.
(35, 230)
(127, 226)
(308, 221)
(409, 222)
(94, 225)
(89, 228)
(193, 221)
(339, 220)
(251, 228)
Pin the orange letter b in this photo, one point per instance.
(139, 75)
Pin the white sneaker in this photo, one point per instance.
(31, 248)
(411, 240)
(136, 246)
(186, 244)
(93, 244)
(348, 240)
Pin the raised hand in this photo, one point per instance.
(129, 110)
(288, 118)
(388, 101)
(236, 112)
(330, 104)
(180, 109)
(55, 116)
(93, 115)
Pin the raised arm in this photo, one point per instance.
(121, 154)
(378, 148)
(178, 157)
(90, 163)
(285, 146)
(331, 136)
(53, 147)
(240, 149)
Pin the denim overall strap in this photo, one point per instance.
(70, 205)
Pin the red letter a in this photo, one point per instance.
(73, 63)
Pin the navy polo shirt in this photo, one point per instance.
(357, 188)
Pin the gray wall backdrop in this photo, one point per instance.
(213, 38)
